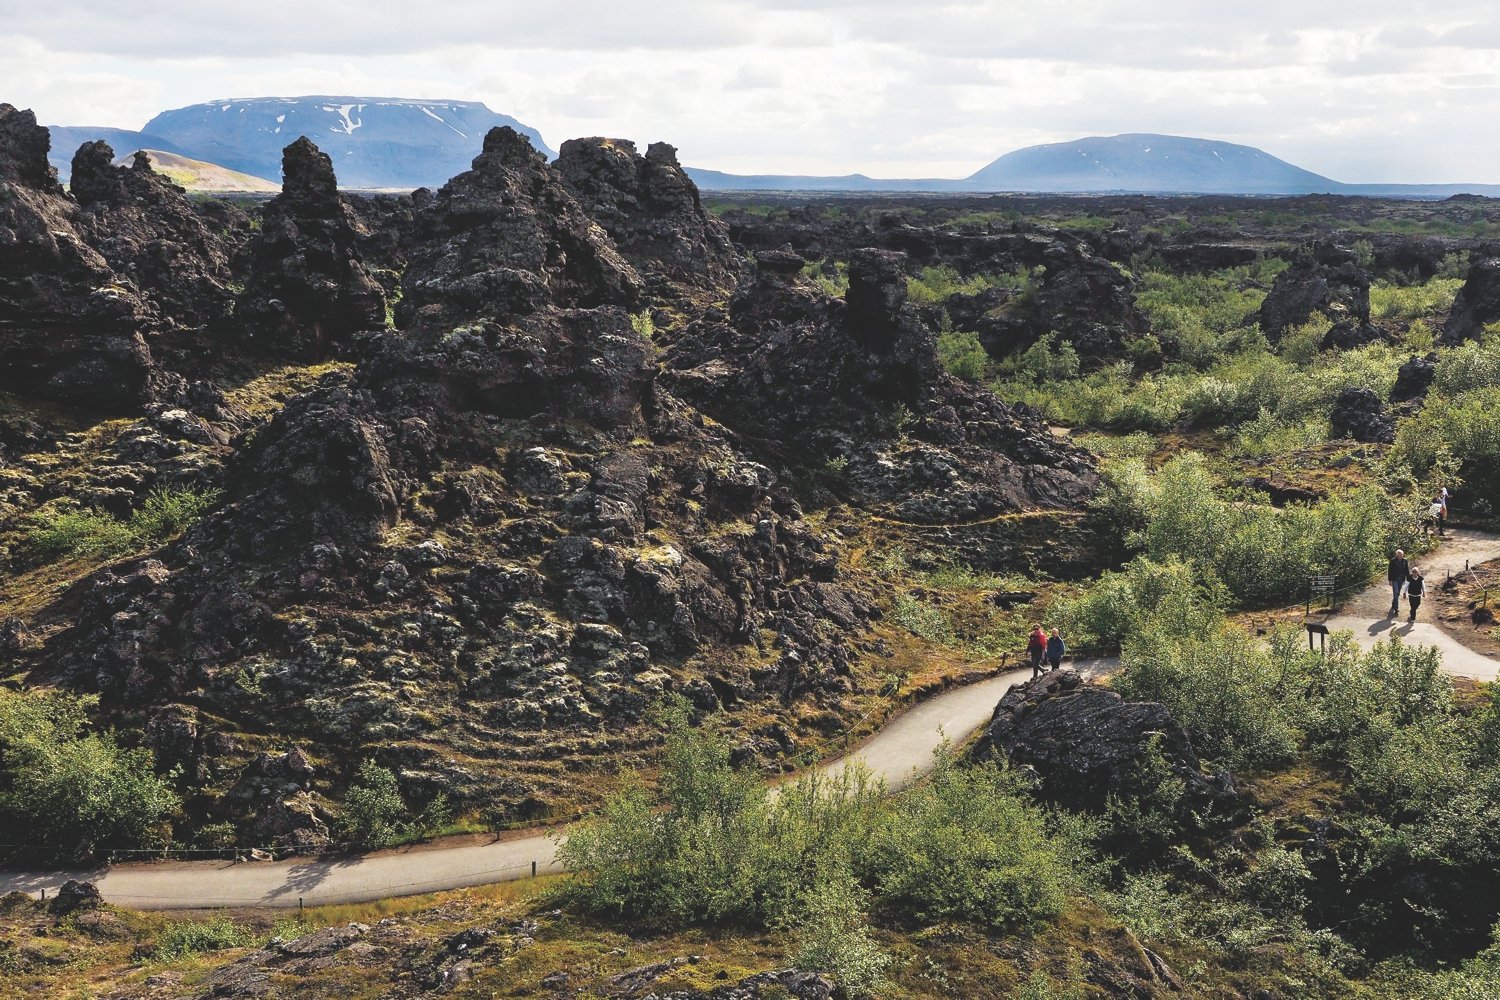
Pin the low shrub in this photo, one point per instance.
(833, 936)
(183, 938)
(962, 355)
(57, 532)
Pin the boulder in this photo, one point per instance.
(1347, 334)
(1477, 305)
(1308, 287)
(1414, 378)
(1360, 415)
(295, 822)
(75, 895)
(1084, 742)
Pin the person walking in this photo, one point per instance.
(1055, 649)
(1397, 572)
(1415, 588)
(1438, 511)
(1036, 648)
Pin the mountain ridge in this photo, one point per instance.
(374, 142)
(405, 143)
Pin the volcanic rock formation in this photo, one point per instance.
(1340, 291)
(148, 231)
(652, 211)
(70, 327)
(858, 382)
(307, 290)
(1477, 305)
(1086, 742)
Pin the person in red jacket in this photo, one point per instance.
(1036, 648)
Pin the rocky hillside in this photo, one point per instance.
(478, 474)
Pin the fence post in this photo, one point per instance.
(299, 906)
(533, 869)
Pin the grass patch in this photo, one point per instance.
(56, 533)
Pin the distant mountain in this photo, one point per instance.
(1121, 164)
(717, 180)
(1148, 164)
(198, 175)
(375, 142)
(67, 138)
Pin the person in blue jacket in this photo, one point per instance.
(1055, 649)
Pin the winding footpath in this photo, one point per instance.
(898, 754)
(1364, 615)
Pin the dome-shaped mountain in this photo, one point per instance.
(1148, 164)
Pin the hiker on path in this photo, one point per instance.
(1036, 648)
(1415, 588)
(1438, 511)
(1055, 649)
(1397, 572)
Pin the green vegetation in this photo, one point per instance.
(375, 814)
(69, 792)
(643, 324)
(56, 532)
(183, 938)
(1261, 554)
(968, 845)
(831, 276)
(962, 355)
(1204, 316)
(1288, 395)
(935, 285)
(1409, 302)
(1455, 437)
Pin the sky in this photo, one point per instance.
(1373, 91)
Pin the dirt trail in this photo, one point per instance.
(1365, 614)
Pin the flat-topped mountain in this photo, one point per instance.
(375, 142)
(1148, 163)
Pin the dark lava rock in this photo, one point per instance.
(150, 232)
(1088, 301)
(652, 211)
(70, 327)
(1414, 378)
(1208, 256)
(1346, 335)
(307, 290)
(517, 302)
(506, 239)
(1084, 742)
(76, 895)
(1477, 304)
(601, 525)
(1309, 286)
(1359, 414)
(859, 383)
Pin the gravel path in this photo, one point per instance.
(1365, 614)
(898, 753)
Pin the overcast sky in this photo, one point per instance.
(1369, 91)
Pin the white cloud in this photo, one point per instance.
(1362, 91)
